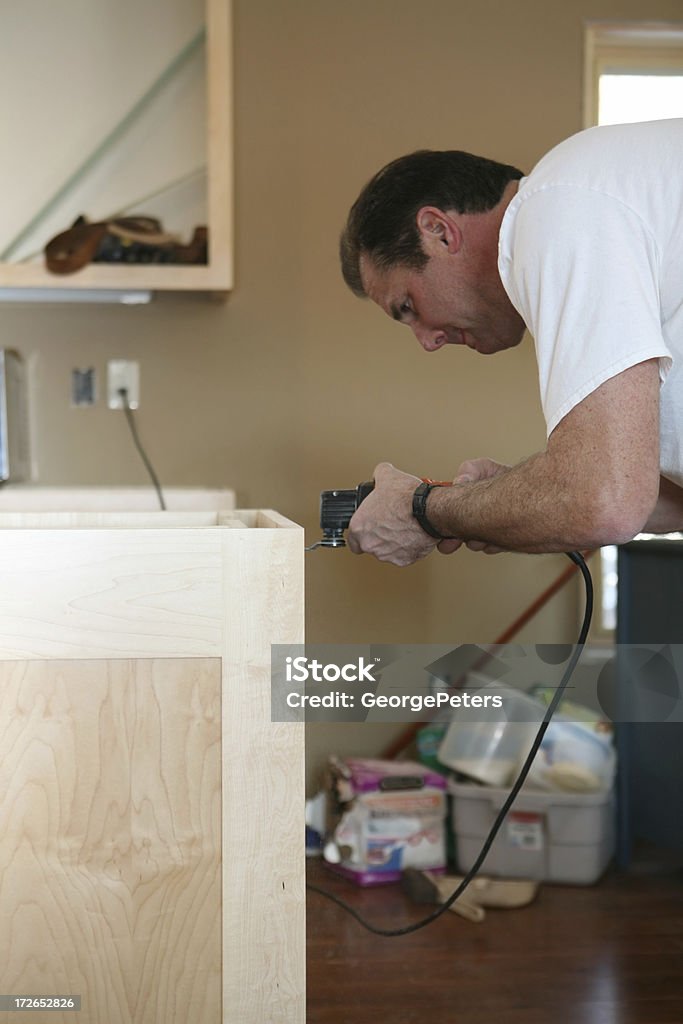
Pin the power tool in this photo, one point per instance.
(337, 508)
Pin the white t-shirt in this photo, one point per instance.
(591, 256)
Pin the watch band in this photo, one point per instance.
(420, 495)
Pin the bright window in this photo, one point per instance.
(633, 72)
(624, 98)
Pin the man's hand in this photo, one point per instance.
(478, 469)
(383, 524)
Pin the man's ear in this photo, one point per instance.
(439, 232)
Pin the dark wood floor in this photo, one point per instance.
(608, 954)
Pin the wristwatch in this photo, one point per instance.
(420, 495)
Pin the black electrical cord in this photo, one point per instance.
(519, 782)
(141, 451)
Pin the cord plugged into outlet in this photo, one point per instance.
(123, 374)
(123, 402)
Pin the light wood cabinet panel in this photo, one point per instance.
(151, 814)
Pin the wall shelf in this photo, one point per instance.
(216, 277)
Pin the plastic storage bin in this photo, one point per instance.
(572, 758)
(566, 838)
(487, 742)
(490, 744)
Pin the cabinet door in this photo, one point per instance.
(110, 837)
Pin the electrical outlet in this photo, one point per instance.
(123, 373)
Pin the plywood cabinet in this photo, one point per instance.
(151, 814)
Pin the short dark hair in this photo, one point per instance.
(382, 221)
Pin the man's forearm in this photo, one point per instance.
(597, 483)
(538, 506)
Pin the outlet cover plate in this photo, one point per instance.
(123, 373)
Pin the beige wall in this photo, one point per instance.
(293, 385)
